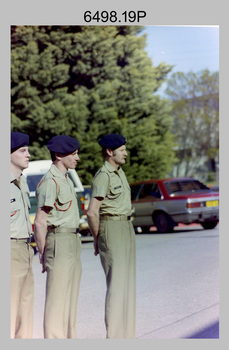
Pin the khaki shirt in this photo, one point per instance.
(20, 225)
(56, 191)
(113, 187)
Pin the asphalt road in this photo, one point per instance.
(177, 287)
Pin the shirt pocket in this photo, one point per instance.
(115, 191)
(14, 208)
(64, 200)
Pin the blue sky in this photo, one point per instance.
(193, 48)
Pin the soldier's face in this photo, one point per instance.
(70, 160)
(20, 158)
(119, 155)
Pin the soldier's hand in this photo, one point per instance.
(96, 248)
(41, 256)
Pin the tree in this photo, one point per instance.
(195, 109)
(87, 81)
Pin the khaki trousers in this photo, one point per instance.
(22, 290)
(63, 266)
(118, 257)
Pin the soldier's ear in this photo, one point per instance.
(58, 155)
(109, 152)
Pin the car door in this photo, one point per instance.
(144, 204)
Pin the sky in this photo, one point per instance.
(188, 48)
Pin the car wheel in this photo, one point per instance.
(163, 223)
(209, 225)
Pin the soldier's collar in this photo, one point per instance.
(56, 172)
(13, 178)
(110, 168)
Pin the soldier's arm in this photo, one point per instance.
(40, 230)
(93, 219)
(93, 215)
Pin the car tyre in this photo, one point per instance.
(209, 225)
(163, 223)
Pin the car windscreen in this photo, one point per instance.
(184, 186)
(33, 181)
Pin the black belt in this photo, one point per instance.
(23, 240)
(63, 230)
(115, 217)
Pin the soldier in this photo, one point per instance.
(22, 281)
(59, 250)
(114, 237)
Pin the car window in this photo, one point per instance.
(134, 191)
(149, 191)
(185, 186)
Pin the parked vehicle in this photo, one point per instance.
(167, 202)
(34, 173)
(87, 195)
(85, 199)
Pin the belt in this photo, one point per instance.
(23, 240)
(115, 217)
(63, 230)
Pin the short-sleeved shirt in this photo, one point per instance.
(20, 224)
(57, 192)
(112, 185)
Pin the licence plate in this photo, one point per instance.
(212, 203)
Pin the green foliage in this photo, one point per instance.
(87, 81)
(195, 109)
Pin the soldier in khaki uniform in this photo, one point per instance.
(114, 238)
(22, 282)
(58, 216)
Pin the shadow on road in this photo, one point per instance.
(210, 332)
(175, 231)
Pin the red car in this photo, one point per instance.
(167, 202)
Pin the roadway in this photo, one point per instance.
(177, 287)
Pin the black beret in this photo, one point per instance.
(18, 139)
(112, 141)
(63, 144)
